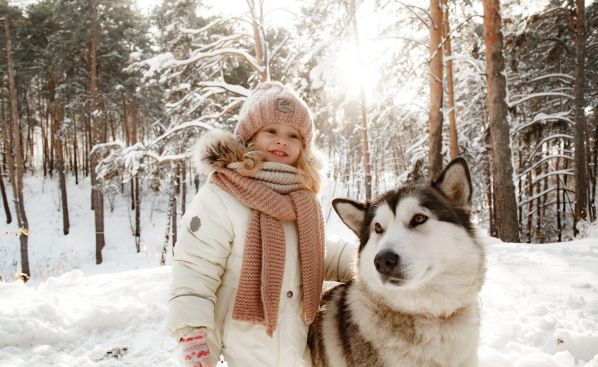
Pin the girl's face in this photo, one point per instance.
(279, 142)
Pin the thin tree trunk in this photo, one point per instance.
(521, 151)
(363, 112)
(566, 147)
(45, 147)
(57, 109)
(581, 176)
(258, 35)
(435, 118)
(97, 197)
(449, 82)
(594, 170)
(137, 201)
(58, 117)
(502, 167)
(125, 121)
(489, 196)
(76, 150)
(184, 188)
(559, 225)
(87, 145)
(167, 232)
(173, 213)
(5, 200)
(17, 166)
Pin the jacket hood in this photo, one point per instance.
(215, 149)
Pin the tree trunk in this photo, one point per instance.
(168, 231)
(57, 109)
(97, 196)
(173, 213)
(435, 108)
(594, 170)
(5, 199)
(137, 200)
(58, 117)
(183, 187)
(489, 196)
(559, 225)
(46, 159)
(125, 121)
(448, 52)
(258, 35)
(581, 176)
(364, 117)
(16, 167)
(75, 151)
(502, 167)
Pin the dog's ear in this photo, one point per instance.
(352, 213)
(455, 183)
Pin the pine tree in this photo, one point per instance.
(502, 169)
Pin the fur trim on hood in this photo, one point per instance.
(215, 149)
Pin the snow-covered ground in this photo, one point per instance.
(539, 303)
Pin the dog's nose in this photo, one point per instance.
(386, 262)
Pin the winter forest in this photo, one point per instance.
(102, 101)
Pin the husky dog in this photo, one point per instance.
(414, 301)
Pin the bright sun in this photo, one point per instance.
(353, 72)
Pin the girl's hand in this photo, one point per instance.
(195, 348)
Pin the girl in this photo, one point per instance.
(248, 267)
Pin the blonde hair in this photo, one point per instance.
(310, 177)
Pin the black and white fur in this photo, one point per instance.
(414, 302)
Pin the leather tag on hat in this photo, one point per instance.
(285, 105)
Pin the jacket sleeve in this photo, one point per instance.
(199, 261)
(340, 260)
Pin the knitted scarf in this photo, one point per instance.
(275, 195)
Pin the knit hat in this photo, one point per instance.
(272, 102)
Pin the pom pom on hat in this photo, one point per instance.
(271, 102)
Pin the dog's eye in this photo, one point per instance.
(378, 228)
(418, 219)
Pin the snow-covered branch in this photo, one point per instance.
(552, 156)
(556, 75)
(234, 88)
(563, 116)
(551, 137)
(112, 144)
(540, 194)
(222, 41)
(229, 51)
(536, 95)
(167, 158)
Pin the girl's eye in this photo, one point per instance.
(271, 131)
(293, 136)
(418, 219)
(378, 228)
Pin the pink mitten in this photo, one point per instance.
(195, 348)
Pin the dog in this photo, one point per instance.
(420, 267)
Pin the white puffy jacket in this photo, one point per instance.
(205, 273)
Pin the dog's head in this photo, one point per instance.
(418, 235)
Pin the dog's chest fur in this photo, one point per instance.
(409, 340)
(369, 333)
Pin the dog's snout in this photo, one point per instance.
(386, 262)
